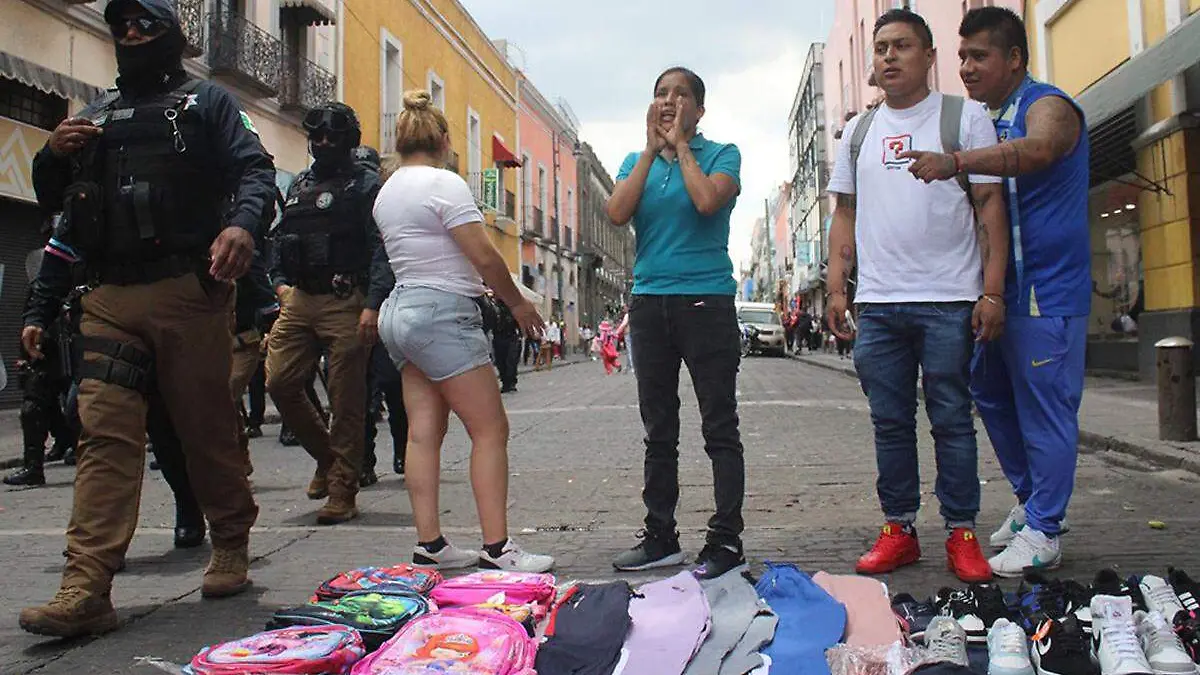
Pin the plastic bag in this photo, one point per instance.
(893, 659)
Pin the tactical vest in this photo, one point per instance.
(321, 234)
(160, 191)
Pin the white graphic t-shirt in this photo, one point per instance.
(916, 242)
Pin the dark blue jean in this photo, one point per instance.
(894, 343)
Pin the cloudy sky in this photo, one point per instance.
(603, 57)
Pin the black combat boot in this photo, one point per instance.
(189, 526)
(31, 474)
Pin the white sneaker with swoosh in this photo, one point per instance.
(1029, 549)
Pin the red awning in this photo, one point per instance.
(501, 155)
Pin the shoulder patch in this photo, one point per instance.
(247, 122)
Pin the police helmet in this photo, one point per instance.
(337, 117)
(367, 156)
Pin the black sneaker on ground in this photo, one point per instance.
(651, 553)
(253, 431)
(961, 605)
(989, 604)
(1079, 603)
(70, 459)
(1040, 599)
(1060, 648)
(1108, 582)
(717, 559)
(1188, 631)
(1187, 590)
(368, 478)
(914, 614)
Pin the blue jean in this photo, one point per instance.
(894, 340)
(1028, 387)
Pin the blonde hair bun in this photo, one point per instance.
(417, 100)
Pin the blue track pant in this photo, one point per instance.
(1027, 387)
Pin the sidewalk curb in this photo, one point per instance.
(1166, 457)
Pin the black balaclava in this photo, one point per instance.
(150, 64)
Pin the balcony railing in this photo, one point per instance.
(475, 182)
(244, 52)
(191, 20)
(552, 235)
(568, 241)
(305, 84)
(387, 135)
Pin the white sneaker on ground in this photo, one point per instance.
(1009, 528)
(1028, 549)
(1160, 597)
(1013, 524)
(514, 559)
(1114, 638)
(449, 558)
(1163, 648)
(946, 641)
(1008, 651)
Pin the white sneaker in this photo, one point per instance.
(1009, 528)
(449, 558)
(1013, 524)
(1114, 639)
(1028, 549)
(946, 641)
(1160, 597)
(514, 559)
(1163, 648)
(1008, 652)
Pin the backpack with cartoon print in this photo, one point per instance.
(458, 640)
(376, 615)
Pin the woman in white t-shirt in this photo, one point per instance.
(433, 329)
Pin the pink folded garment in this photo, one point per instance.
(869, 617)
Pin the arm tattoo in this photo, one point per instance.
(847, 254)
(985, 246)
(846, 201)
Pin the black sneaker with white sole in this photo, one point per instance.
(1060, 648)
(652, 552)
(1187, 590)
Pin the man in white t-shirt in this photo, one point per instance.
(930, 283)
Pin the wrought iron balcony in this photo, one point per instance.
(191, 20)
(552, 235)
(305, 84)
(242, 51)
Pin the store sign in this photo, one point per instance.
(18, 144)
(491, 189)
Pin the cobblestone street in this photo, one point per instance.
(575, 492)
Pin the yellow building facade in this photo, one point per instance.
(393, 46)
(1132, 65)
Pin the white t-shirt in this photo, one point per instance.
(553, 334)
(415, 211)
(916, 242)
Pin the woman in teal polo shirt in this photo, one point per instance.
(679, 191)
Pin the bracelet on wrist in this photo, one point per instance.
(958, 168)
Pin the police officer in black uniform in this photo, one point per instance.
(142, 176)
(331, 275)
(44, 381)
(383, 383)
(506, 347)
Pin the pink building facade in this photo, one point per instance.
(848, 51)
(548, 198)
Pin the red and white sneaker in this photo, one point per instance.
(965, 558)
(895, 547)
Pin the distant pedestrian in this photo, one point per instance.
(679, 192)
(432, 325)
(623, 334)
(1028, 385)
(930, 283)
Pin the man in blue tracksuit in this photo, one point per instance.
(1028, 385)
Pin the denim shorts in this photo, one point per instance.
(440, 333)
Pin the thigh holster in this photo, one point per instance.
(121, 364)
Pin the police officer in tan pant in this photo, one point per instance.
(331, 276)
(142, 176)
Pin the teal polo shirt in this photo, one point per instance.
(679, 251)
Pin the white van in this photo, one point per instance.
(768, 333)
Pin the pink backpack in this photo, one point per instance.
(462, 641)
(299, 650)
(497, 588)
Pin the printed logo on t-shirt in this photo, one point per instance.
(892, 147)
